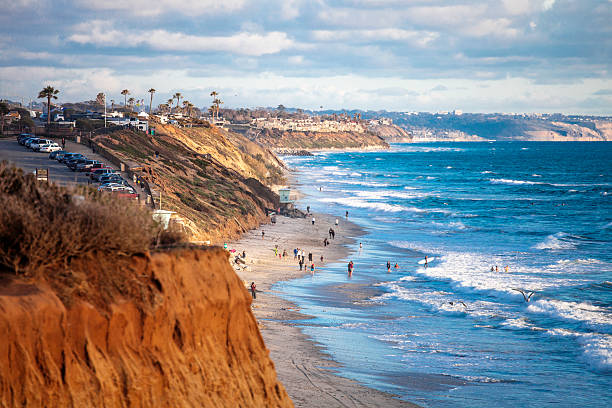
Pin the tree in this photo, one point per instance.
(112, 104)
(151, 91)
(50, 93)
(217, 102)
(125, 93)
(4, 109)
(178, 97)
(131, 103)
(281, 108)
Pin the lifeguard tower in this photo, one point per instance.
(286, 203)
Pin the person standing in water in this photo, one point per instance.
(253, 290)
(346, 214)
(388, 266)
(312, 268)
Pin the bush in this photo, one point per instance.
(43, 225)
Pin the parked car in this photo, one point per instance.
(53, 155)
(111, 178)
(72, 164)
(30, 140)
(96, 166)
(22, 137)
(35, 145)
(69, 156)
(49, 147)
(95, 175)
(86, 165)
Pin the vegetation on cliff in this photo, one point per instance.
(215, 180)
(100, 321)
(316, 140)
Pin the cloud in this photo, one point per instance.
(100, 33)
(160, 7)
(419, 38)
(603, 92)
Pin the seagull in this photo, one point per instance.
(453, 304)
(527, 294)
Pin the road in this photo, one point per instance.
(59, 173)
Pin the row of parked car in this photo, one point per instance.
(98, 172)
(37, 144)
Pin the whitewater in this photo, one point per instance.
(516, 307)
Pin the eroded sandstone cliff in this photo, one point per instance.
(177, 331)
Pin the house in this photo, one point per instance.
(143, 115)
(12, 116)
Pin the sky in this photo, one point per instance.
(410, 55)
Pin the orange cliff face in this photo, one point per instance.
(182, 335)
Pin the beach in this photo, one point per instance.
(302, 366)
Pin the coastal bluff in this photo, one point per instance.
(178, 331)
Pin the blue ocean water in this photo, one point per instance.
(454, 333)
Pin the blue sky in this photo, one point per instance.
(410, 55)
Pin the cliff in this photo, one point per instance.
(177, 331)
(278, 139)
(215, 180)
(391, 133)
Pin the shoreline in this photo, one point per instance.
(304, 368)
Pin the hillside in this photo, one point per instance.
(215, 180)
(467, 127)
(181, 335)
(93, 314)
(278, 139)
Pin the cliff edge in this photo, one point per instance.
(176, 331)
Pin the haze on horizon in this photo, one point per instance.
(414, 55)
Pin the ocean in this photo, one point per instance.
(456, 333)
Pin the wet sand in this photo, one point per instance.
(302, 366)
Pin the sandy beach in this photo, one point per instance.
(302, 366)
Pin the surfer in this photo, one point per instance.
(506, 269)
(396, 266)
(425, 260)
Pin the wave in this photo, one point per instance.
(587, 315)
(357, 203)
(528, 182)
(383, 194)
(558, 241)
(487, 172)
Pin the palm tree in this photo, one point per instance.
(178, 97)
(112, 104)
(151, 91)
(131, 103)
(50, 93)
(125, 93)
(217, 102)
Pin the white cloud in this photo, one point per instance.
(296, 59)
(420, 38)
(243, 43)
(159, 7)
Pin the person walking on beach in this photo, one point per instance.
(312, 268)
(63, 143)
(301, 263)
(330, 233)
(253, 290)
(321, 258)
(295, 253)
(310, 257)
(313, 220)
(308, 209)
(263, 233)
(333, 233)
(336, 222)
(388, 266)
